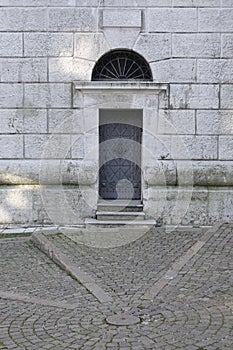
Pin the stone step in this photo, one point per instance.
(120, 205)
(115, 215)
(135, 224)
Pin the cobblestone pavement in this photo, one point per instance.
(42, 307)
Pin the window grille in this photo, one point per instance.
(122, 65)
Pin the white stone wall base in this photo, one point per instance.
(33, 205)
(66, 205)
(186, 206)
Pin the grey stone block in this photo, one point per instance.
(24, 70)
(226, 147)
(215, 71)
(122, 18)
(72, 19)
(176, 122)
(172, 20)
(196, 45)
(215, 122)
(194, 96)
(227, 45)
(154, 46)
(90, 46)
(174, 71)
(11, 44)
(215, 20)
(48, 44)
(23, 19)
(11, 146)
(226, 96)
(65, 121)
(196, 3)
(47, 146)
(11, 95)
(47, 95)
(67, 69)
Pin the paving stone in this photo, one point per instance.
(193, 311)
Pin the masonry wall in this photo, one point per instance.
(46, 45)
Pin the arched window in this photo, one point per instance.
(122, 65)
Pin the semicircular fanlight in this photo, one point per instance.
(122, 65)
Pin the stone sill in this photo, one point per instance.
(129, 85)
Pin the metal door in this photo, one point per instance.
(120, 161)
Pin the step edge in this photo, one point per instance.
(136, 213)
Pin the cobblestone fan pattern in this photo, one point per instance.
(193, 312)
(122, 271)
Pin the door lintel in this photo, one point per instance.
(111, 86)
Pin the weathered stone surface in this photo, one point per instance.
(215, 71)
(214, 173)
(48, 172)
(194, 96)
(11, 44)
(149, 3)
(182, 147)
(196, 3)
(174, 71)
(18, 172)
(79, 172)
(72, 19)
(46, 95)
(78, 146)
(68, 69)
(226, 96)
(194, 147)
(176, 122)
(121, 37)
(65, 2)
(45, 146)
(153, 46)
(220, 205)
(23, 19)
(23, 70)
(11, 121)
(35, 121)
(47, 205)
(172, 20)
(15, 121)
(130, 3)
(16, 205)
(21, 3)
(196, 45)
(90, 46)
(11, 146)
(65, 121)
(122, 18)
(215, 122)
(85, 3)
(226, 147)
(48, 44)
(227, 3)
(11, 95)
(227, 45)
(161, 174)
(215, 20)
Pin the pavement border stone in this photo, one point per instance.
(42, 243)
(171, 273)
(31, 300)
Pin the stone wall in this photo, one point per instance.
(46, 45)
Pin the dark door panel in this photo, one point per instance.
(120, 161)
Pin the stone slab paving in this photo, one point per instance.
(42, 307)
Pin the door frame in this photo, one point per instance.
(91, 96)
